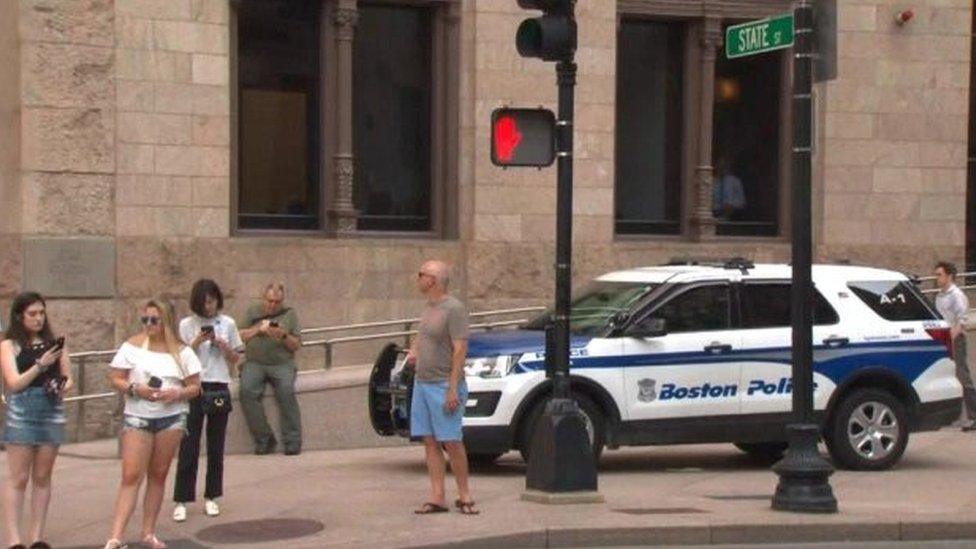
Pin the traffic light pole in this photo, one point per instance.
(561, 466)
(566, 78)
(803, 484)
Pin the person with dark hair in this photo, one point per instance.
(953, 305)
(214, 338)
(36, 375)
(158, 375)
(272, 338)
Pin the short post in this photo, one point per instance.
(81, 388)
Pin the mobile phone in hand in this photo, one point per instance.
(155, 383)
(58, 344)
(207, 331)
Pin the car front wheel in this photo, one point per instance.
(869, 431)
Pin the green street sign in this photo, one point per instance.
(772, 33)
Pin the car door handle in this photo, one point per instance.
(836, 341)
(719, 349)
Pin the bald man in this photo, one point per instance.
(439, 391)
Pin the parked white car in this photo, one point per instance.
(696, 353)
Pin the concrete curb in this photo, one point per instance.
(722, 534)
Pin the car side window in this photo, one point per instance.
(700, 309)
(768, 306)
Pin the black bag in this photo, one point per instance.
(216, 401)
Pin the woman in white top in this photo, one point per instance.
(158, 375)
(214, 338)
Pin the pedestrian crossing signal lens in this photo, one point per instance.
(523, 137)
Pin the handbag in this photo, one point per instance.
(216, 401)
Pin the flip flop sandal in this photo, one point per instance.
(430, 509)
(466, 507)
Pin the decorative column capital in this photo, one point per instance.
(711, 36)
(345, 20)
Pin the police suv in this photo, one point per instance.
(700, 353)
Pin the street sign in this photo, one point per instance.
(772, 33)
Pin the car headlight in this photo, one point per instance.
(495, 366)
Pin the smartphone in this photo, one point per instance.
(155, 383)
(58, 343)
(207, 330)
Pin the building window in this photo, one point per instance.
(346, 115)
(746, 145)
(278, 113)
(648, 127)
(392, 124)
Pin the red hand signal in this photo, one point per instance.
(507, 138)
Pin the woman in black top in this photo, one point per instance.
(36, 374)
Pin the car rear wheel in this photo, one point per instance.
(592, 419)
(869, 431)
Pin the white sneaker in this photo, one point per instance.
(179, 513)
(211, 508)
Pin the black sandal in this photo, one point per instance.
(466, 507)
(430, 509)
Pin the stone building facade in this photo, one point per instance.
(123, 127)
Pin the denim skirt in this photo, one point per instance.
(33, 418)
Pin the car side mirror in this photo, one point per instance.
(650, 327)
(619, 320)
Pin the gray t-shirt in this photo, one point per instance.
(441, 323)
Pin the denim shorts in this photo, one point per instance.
(33, 418)
(176, 422)
(428, 416)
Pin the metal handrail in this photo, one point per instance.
(82, 358)
(385, 323)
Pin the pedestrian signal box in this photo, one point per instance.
(523, 137)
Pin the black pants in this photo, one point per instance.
(186, 468)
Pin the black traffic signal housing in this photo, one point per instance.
(825, 40)
(523, 137)
(551, 37)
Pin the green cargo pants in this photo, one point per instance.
(282, 379)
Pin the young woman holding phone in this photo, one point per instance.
(158, 376)
(36, 374)
(214, 338)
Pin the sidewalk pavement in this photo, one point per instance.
(702, 494)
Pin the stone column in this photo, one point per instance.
(343, 213)
(702, 221)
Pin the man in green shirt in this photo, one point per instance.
(271, 337)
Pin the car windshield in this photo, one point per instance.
(595, 306)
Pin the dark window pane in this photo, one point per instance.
(893, 299)
(648, 127)
(746, 145)
(697, 310)
(278, 74)
(392, 117)
(768, 306)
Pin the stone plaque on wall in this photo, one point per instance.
(70, 267)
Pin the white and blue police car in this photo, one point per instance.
(700, 353)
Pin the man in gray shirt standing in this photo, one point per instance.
(953, 305)
(439, 391)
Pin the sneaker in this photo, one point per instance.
(179, 513)
(211, 508)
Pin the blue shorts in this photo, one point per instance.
(176, 422)
(33, 418)
(428, 416)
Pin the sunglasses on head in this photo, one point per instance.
(149, 320)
